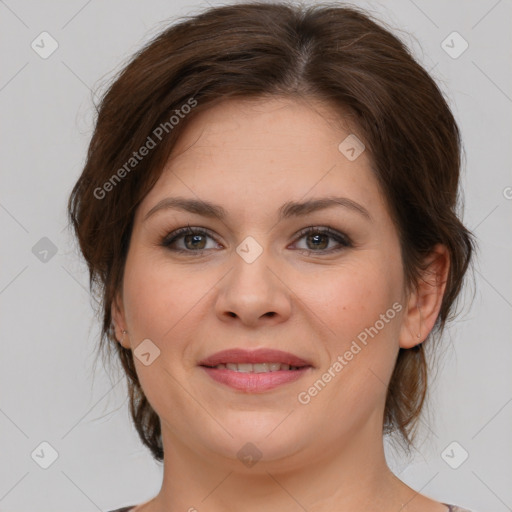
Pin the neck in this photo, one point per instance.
(353, 476)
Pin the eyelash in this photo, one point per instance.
(341, 238)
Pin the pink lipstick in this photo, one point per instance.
(254, 371)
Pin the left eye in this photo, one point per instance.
(194, 240)
(319, 238)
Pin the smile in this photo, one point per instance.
(256, 368)
(254, 371)
(255, 378)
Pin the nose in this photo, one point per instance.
(253, 294)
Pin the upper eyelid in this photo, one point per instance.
(322, 229)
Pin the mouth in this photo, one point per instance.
(254, 371)
(256, 368)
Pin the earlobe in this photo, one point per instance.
(119, 321)
(425, 302)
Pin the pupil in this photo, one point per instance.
(195, 238)
(316, 237)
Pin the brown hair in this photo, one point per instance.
(335, 54)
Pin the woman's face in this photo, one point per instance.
(255, 279)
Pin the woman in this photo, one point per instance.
(268, 211)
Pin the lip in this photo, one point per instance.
(261, 355)
(254, 382)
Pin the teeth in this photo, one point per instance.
(260, 368)
(245, 368)
(255, 368)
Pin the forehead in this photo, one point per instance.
(277, 125)
(264, 151)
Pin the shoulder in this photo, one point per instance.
(455, 508)
(452, 508)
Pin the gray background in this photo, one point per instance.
(50, 389)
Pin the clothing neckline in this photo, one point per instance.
(136, 508)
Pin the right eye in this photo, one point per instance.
(194, 240)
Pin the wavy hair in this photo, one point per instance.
(337, 54)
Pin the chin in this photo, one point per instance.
(256, 442)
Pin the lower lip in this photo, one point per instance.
(255, 382)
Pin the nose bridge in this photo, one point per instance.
(251, 290)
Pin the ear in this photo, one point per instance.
(119, 320)
(425, 301)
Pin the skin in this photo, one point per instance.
(251, 157)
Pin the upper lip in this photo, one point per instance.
(261, 355)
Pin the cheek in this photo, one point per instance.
(160, 305)
(352, 298)
(155, 298)
(361, 345)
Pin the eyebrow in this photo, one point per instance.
(287, 210)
